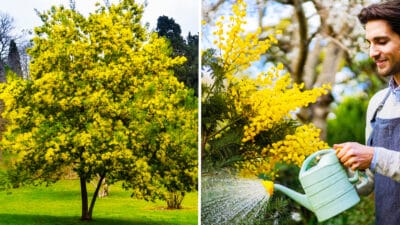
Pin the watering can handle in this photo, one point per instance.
(356, 178)
(310, 158)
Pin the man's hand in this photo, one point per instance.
(354, 155)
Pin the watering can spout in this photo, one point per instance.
(298, 197)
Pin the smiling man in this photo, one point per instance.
(381, 155)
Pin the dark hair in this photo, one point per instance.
(389, 11)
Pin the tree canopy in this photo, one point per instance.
(103, 100)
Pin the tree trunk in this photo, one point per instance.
(84, 197)
(309, 77)
(303, 43)
(95, 194)
(174, 200)
(330, 66)
(87, 211)
(313, 60)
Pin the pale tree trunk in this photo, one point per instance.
(330, 65)
(310, 76)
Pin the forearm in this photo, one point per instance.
(387, 163)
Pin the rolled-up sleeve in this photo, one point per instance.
(387, 163)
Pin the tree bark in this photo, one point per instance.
(95, 194)
(87, 211)
(330, 66)
(84, 197)
(313, 60)
(298, 67)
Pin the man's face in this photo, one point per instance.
(384, 47)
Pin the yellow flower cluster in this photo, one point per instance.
(294, 148)
(291, 150)
(273, 98)
(238, 49)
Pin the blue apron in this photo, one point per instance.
(386, 133)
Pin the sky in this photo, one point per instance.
(186, 13)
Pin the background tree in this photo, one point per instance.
(23, 46)
(19, 42)
(189, 48)
(6, 28)
(102, 100)
(13, 59)
(191, 66)
(2, 73)
(167, 27)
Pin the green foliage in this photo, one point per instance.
(215, 107)
(349, 121)
(189, 48)
(103, 100)
(168, 28)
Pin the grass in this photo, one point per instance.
(61, 204)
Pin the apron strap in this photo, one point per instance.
(380, 106)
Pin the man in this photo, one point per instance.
(382, 153)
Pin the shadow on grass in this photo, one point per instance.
(15, 219)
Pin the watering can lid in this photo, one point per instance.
(328, 157)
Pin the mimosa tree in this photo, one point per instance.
(250, 119)
(103, 100)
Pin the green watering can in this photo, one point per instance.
(328, 189)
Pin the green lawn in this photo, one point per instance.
(61, 204)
